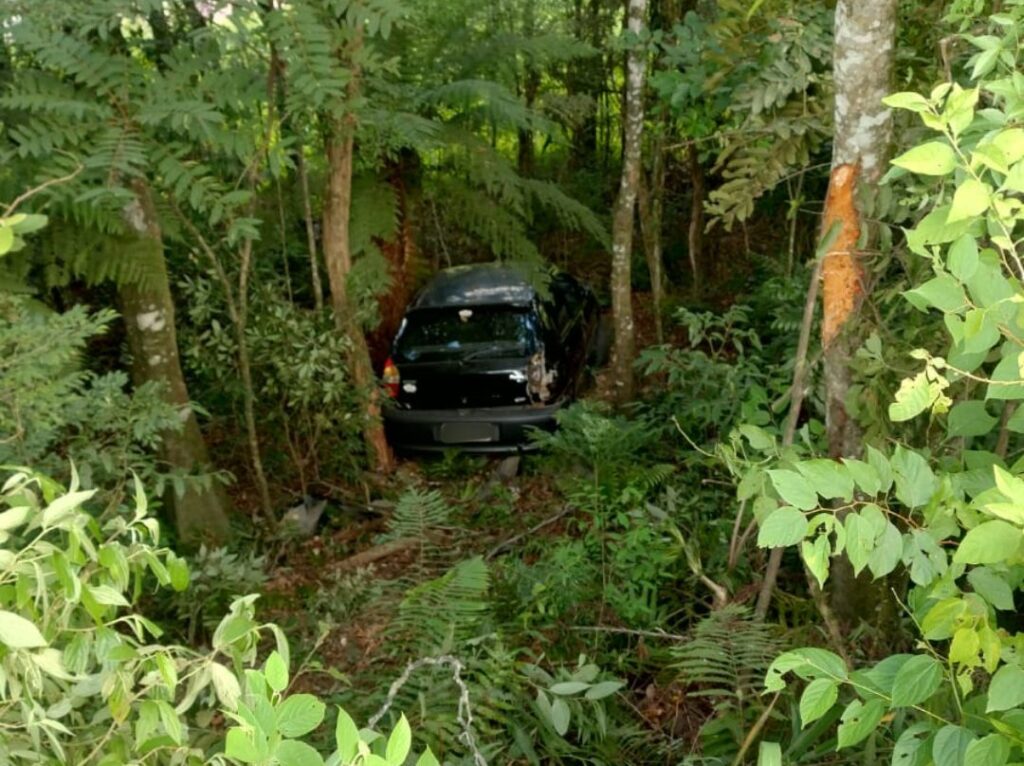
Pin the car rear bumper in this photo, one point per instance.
(484, 429)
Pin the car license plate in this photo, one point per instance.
(460, 433)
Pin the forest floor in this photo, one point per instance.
(491, 508)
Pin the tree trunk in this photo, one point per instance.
(622, 223)
(862, 65)
(338, 258)
(200, 513)
(695, 233)
(650, 199)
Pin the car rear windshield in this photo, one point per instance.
(489, 330)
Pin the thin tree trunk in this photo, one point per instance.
(238, 311)
(200, 513)
(338, 257)
(622, 222)
(650, 200)
(862, 62)
(695, 233)
(307, 214)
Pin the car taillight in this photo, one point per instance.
(391, 378)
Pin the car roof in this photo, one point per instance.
(478, 285)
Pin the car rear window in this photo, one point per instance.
(497, 329)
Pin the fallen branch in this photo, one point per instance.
(465, 712)
(631, 632)
(376, 553)
(516, 538)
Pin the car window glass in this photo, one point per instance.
(470, 327)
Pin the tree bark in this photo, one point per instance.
(622, 222)
(862, 65)
(200, 513)
(338, 258)
(650, 201)
(695, 232)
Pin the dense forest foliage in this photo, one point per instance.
(785, 524)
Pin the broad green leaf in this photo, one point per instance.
(940, 621)
(769, 754)
(908, 747)
(963, 258)
(104, 594)
(1010, 143)
(883, 468)
(239, 745)
(560, 716)
(918, 679)
(992, 542)
(346, 736)
(18, 633)
(225, 685)
(568, 688)
(993, 750)
(887, 553)
(980, 331)
(399, 743)
(883, 675)
(942, 292)
(913, 102)
(992, 587)
(1006, 382)
(964, 647)
(970, 200)
(293, 753)
(299, 714)
(1006, 691)
(427, 759)
(784, 527)
(816, 555)
(969, 418)
(860, 541)
(818, 698)
(859, 719)
(794, 489)
(829, 478)
(603, 689)
(934, 158)
(864, 475)
(276, 672)
(950, 745)
(915, 395)
(915, 482)
(6, 237)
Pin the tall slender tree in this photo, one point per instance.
(625, 206)
(199, 511)
(862, 68)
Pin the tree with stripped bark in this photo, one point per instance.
(862, 71)
(624, 350)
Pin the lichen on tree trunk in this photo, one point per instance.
(200, 513)
(624, 349)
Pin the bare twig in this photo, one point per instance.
(465, 712)
(22, 198)
(771, 573)
(630, 632)
(755, 731)
(535, 528)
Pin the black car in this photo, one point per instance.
(482, 356)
